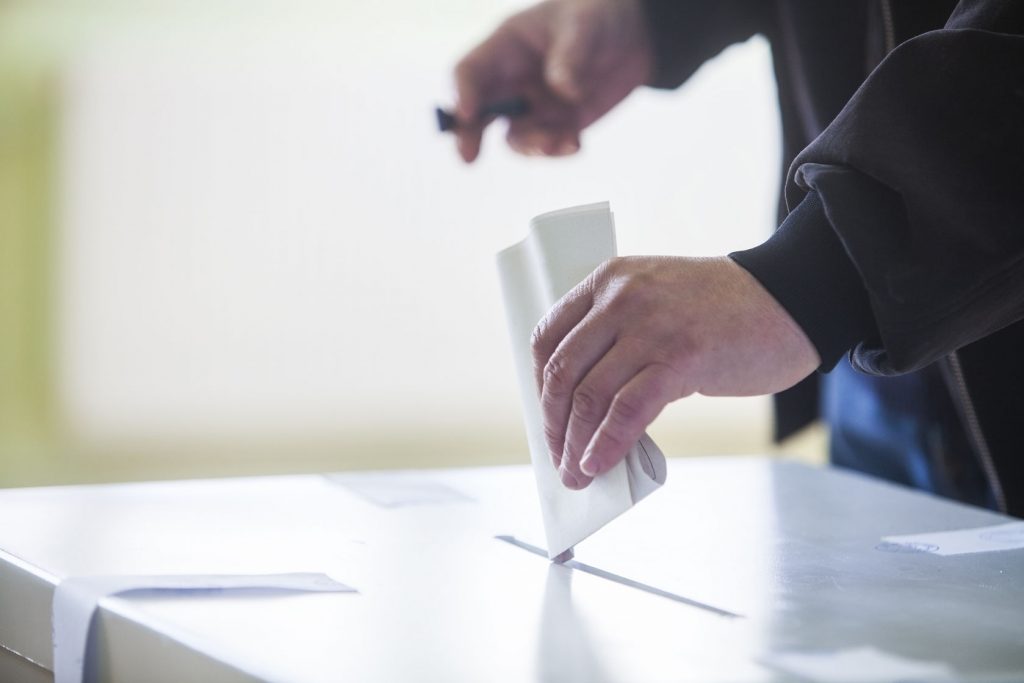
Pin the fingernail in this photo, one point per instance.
(567, 478)
(589, 465)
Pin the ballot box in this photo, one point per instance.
(739, 569)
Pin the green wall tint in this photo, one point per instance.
(28, 431)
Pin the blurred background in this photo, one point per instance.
(232, 241)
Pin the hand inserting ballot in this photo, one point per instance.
(641, 332)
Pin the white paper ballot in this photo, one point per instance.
(979, 540)
(75, 601)
(563, 248)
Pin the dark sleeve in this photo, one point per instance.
(921, 178)
(806, 269)
(686, 33)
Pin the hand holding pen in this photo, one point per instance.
(552, 69)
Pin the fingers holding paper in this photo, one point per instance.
(641, 332)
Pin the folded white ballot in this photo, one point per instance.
(562, 248)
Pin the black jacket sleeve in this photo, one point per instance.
(686, 33)
(921, 179)
(805, 267)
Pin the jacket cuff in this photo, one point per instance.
(806, 268)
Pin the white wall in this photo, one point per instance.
(262, 235)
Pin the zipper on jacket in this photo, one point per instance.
(888, 27)
(974, 433)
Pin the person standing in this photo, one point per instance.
(901, 238)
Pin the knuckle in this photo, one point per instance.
(539, 336)
(554, 437)
(637, 291)
(628, 409)
(586, 406)
(605, 271)
(556, 378)
(633, 291)
(583, 290)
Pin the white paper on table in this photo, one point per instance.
(979, 540)
(75, 601)
(563, 248)
(857, 665)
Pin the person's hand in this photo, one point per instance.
(572, 60)
(641, 332)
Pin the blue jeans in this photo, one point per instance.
(904, 429)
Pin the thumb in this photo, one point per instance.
(567, 59)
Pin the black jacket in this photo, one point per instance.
(903, 135)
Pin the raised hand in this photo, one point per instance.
(573, 60)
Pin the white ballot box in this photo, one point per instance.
(740, 569)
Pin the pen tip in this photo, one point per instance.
(445, 120)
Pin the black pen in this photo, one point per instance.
(510, 108)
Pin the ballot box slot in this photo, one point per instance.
(621, 580)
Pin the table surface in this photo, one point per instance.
(794, 551)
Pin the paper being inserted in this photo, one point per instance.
(561, 249)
